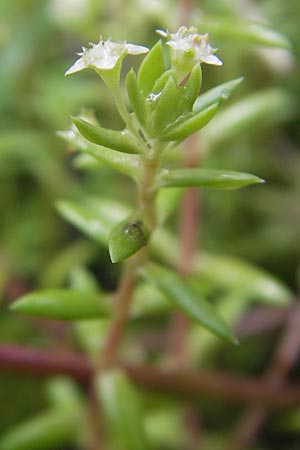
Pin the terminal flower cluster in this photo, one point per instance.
(189, 42)
(104, 55)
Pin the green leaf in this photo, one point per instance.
(151, 68)
(137, 102)
(255, 112)
(93, 217)
(211, 178)
(50, 430)
(127, 238)
(193, 86)
(62, 304)
(190, 125)
(63, 393)
(122, 141)
(125, 163)
(82, 280)
(188, 300)
(228, 273)
(122, 409)
(242, 277)
(167, 108)
(84, 161)
(247, 32)
(85, 219)
(218, 94)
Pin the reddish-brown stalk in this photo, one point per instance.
(284, 359)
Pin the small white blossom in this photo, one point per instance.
(104, 55)
(189, 42)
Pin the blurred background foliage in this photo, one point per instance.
(257, 131)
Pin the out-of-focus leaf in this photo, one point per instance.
(230, 273)
(165, 428)
(211, 178)
(50, 430)
(63, 393)
(243, 278)
(188, 300)
(167, 201)
(246, 31)
(249, 115)
(127, 238)
(218, 94)
(82, 280)
(85, 219)
(121, 406)
(62, 304)
(93, 217)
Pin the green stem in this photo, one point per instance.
(147, 192)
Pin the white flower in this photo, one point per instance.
(104, 55)
(189, 42)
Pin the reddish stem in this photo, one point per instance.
(188, 383)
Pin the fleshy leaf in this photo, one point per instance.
(83, 280)
(188, 300)
(193, 86)
(218, 94)
(127, 238)
(85, 219)
(211, 178)
(151, 68)
(62, 304)
(122, 410)
(54, 429)
(121, 141)
(167, 107)
(190, 125)
(137, 102)
(247, 31)
(249, 115)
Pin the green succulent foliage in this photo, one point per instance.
(47, 431)
(116, 140)
(211, 178)
(127, 238)
(62, 304)
(122, 410)
(188, 300)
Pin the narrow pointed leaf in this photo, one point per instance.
(121, 141)
(193, 86)
(248, 32)
(122, 409)
(135, 98)
(249, 115)
(240, 276)
(54, 429)
(83, 280)
(190, 125)
(211, 178)
(85, 219)
(167, 108)
(127, 238)
(218, 94)
(151, 69)
(125, 163)
(188, 300)
(62, 304)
